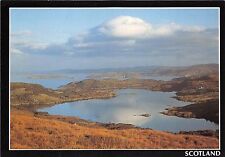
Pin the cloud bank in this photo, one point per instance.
(128, 38)
(133, 27)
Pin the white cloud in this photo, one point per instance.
(81, 45)
(21, 43)
(127, 42)
(37, 46)
(126, 26)
(24, 41)
(22, 33)
(16, 51)
(133, 27)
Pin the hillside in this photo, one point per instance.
(195, 70)
(190, 89)
(55, 132)
(26, 94)
(143, 72)
(31, 129)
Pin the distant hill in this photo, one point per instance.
(141, 72)
(200, 69)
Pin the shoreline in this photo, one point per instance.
(112, 126)
(29, 131)
(171, 111)
(189, 111)
(167, 111)
(28, 125)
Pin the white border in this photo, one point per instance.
(115, 8)
(219, 78)
(9, 72)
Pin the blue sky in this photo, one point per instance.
(98, 38)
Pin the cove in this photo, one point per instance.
(127, 107)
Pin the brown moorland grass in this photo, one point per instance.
(28, 131)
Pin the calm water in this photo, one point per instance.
(130, 102)
(53, 83)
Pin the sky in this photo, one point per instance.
(53, 39)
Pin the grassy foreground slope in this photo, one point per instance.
(28, 131)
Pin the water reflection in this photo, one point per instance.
(130, 102)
